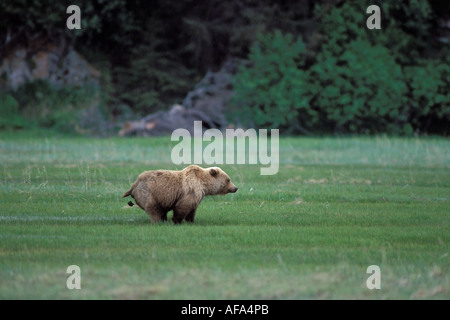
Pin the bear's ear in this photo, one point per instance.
(213, 172)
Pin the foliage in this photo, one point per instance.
(9, 113)
(360, 81)
(156, 50)
(98, 18)
(41, 104)
(299, 77)
(348, 92)
(362, 90)
(272, 87)
(154, 79)
(391, 77)
(429, 98)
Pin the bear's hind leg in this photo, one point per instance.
(155, 212)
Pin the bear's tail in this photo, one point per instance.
(126, 194)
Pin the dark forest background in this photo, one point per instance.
(306, 67)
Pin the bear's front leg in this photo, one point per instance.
(186, 207)
(190, 216)
(182, 210)
(178, 215)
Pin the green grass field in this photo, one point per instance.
(336, 206)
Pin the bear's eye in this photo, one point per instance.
(228, 180)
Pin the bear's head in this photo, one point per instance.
(219, 182)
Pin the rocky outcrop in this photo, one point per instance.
(207, 102)
(43, 59)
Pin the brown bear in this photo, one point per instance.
(160, 191)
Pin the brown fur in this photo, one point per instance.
(158, 192)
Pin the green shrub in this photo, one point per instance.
(360, 80)
(392, 88)
(270, 91)
(360, 90)
(9, 113)
(46, 106)
(429, 97)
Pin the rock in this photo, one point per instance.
(56, 62)
(165, 122)
(93, 122)
(207, 102)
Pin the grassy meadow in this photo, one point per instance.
(336, 206)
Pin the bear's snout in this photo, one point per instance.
(234, 190)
